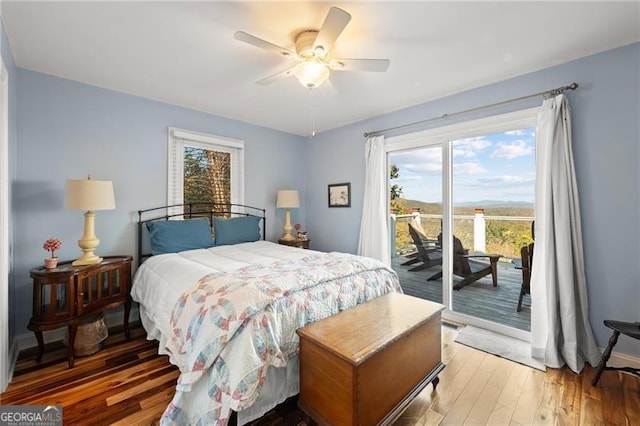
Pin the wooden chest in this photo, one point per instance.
(364, 365)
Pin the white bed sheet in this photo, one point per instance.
(162, 279)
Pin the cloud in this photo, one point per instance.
(425, 155)
(471, 168)
(470, 147)
(464, 153)
(428, 168)
(506, 180)
(428, 160)
(511, 150)
(402, 179)
(516, 188)
(515, 133)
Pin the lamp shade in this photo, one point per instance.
(288, 199)
(88, 194)
(311, 73)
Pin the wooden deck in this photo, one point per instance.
(480, 299)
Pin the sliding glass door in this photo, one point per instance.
(461, 200)
(493, 182)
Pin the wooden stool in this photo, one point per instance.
(631, 329)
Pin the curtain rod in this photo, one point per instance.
(552, 92)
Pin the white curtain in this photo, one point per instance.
(560, 329)
(374, 227)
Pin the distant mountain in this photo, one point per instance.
(435, 208)
(496, 204)
(493, 207)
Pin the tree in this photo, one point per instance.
(396, 190)
(396, 203)
(207, 176)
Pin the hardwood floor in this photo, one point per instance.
(127, 383)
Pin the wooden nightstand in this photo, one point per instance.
(68, 295)
(296, 243)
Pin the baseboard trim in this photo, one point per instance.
(13, 359)
(623, 360)
(28, 340)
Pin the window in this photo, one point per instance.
(204, 168)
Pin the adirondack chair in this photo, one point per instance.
(465, 265)
(525, 263)
(526, 260)
(415, 256)
(468, 267)
(428, 252)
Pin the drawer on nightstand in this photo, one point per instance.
(295, 243)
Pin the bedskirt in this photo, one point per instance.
(234, 330)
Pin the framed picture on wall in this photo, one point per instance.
(340, 195)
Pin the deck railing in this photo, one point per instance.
(478, 232)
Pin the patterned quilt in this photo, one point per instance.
(230, 328)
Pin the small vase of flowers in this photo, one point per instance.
(300, 235)
(52, 244)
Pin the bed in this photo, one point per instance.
(225, 308)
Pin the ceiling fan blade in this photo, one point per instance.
(275, 77)
(333, 25)
(375, 65)
(263, 44)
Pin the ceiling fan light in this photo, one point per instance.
(311, 74)
(336, 64)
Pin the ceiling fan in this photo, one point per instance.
(311, 53)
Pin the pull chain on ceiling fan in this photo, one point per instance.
(312, 118)
(311, 53)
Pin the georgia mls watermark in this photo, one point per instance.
(30, 415)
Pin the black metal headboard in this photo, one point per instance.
(194, 210)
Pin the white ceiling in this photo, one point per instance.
(184, 53)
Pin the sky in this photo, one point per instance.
(499, 166)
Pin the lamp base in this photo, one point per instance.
(287, 227)
(88, 243)
(87, 260)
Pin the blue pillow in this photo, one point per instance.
(172, 236)
(236, 230)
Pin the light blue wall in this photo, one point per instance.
(7, 58)
(68, 129)
(606, 152)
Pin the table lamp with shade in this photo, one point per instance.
(89, 195)
(288, 199)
